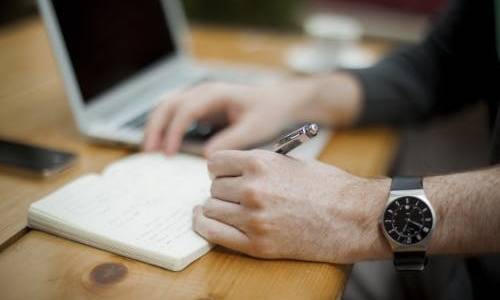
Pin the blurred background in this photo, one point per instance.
(398, 19)
(456, 144)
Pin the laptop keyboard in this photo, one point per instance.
(139, 121)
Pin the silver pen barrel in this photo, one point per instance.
(296, 138)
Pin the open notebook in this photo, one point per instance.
(139, 207)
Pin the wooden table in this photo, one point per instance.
(35, 265)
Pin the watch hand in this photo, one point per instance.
(404, 228)
(415, 223)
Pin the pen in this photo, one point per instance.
(296, 138)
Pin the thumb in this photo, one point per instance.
(237, 136)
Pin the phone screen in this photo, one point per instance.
(34, 159)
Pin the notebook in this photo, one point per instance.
(139, 207)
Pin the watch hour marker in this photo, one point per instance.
(407, 201)
(419, 237)
(425, 229)
(428, 219)
(390, 211)
(425, 209)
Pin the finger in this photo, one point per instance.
(227, 189)
(197, 105)
(157, 121)
(219, 233)
(237, 136)
(226, 163)
(226, 212)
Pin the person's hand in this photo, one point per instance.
(254, 113)
(273, 206)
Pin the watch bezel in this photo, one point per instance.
(421, 245)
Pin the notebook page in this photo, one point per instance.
(144, 202)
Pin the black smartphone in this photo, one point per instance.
(29, 159)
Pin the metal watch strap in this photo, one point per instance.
(411, 260)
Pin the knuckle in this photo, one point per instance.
(256, 164)
(263, 247)
(259, 224)
(251, 196)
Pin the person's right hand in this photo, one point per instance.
(254, 113)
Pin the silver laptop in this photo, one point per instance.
(118, 58)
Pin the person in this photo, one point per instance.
(272, 206)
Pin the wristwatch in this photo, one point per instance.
(407, 222)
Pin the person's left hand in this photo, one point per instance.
(273, 206)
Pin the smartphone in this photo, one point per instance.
(33, 160)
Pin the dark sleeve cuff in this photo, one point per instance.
(391, 94)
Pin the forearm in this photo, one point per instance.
(468, 211)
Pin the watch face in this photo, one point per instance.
(407, 220)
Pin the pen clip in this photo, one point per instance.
(296, 138)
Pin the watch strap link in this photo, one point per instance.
(406, 183)
(410, 261)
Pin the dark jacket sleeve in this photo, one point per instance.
(439, 75)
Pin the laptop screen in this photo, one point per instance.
(109, 41)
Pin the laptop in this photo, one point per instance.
(118, 58)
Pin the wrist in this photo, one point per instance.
(333, 99)
(374, 244)
(432, 188)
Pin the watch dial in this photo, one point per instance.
(407, 220)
